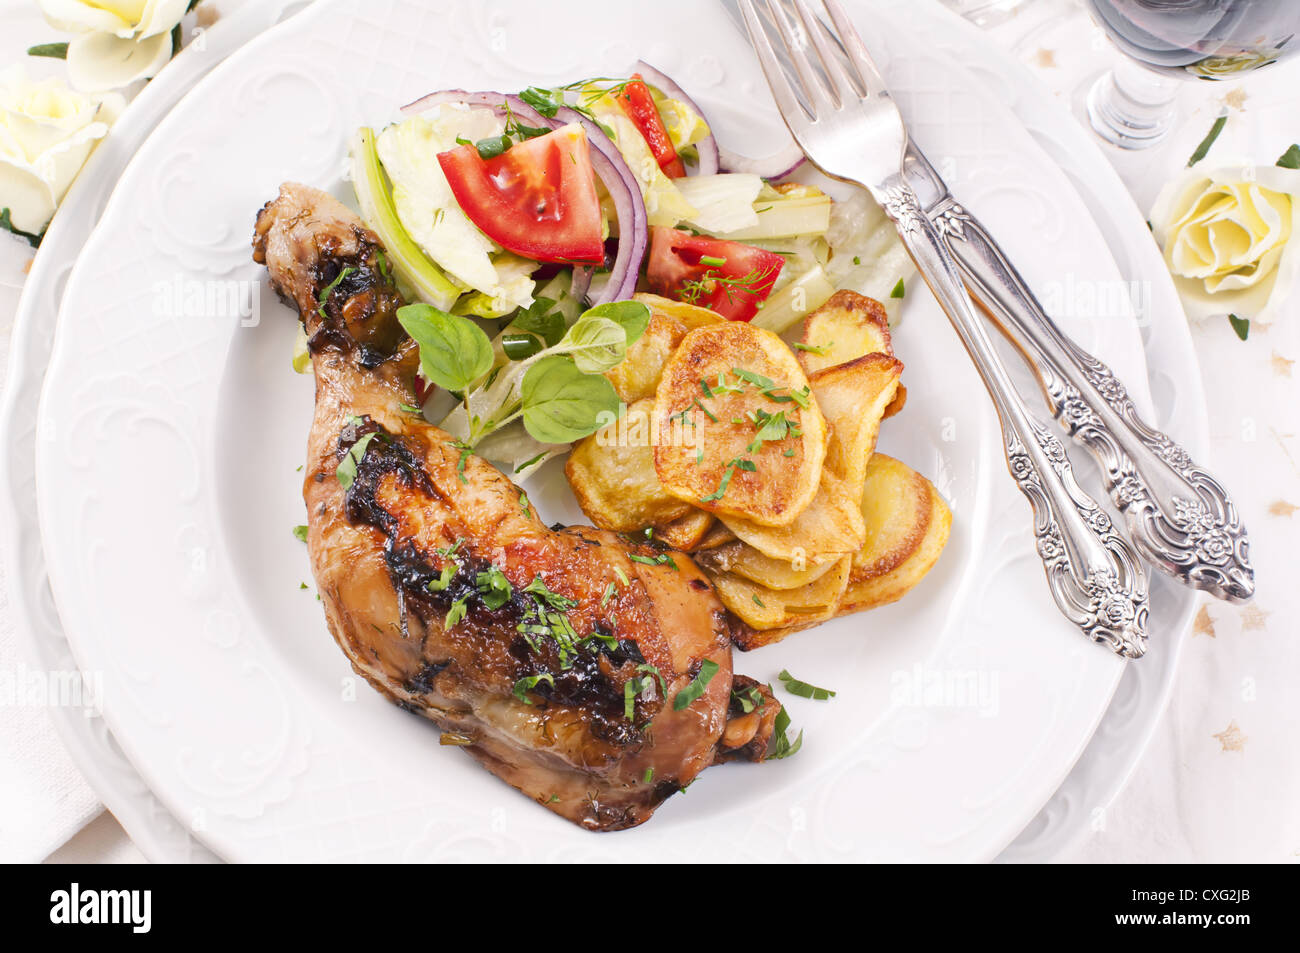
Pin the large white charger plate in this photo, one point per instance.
(167, 491)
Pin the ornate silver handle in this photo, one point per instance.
(1093, 572)
(1180, 517)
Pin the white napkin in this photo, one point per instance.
(44, 800)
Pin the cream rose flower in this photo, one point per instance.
(46, 133)
(1226, 232)
(118, 41)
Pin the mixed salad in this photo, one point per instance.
(522, 225)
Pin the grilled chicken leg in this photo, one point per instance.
(590, 671)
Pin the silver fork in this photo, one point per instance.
(844, 119)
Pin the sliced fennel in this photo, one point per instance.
(795, 301)
(685, 126)
(724, 203)
(415, 273)
(664, 204)
(786, 217)
(867, 256)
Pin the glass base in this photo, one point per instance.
(1131, 107)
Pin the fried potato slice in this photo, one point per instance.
(718, 535)
(685, 533)
(769, 613)
(745, 561)
(897, 505)
(854, 397)
(845, 328)
(907, 526)
(638, 375)
(740, 402)
(612, 475)
(691, 316)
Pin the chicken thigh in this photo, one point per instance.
(589, 670)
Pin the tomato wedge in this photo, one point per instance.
(537, 199)
(640, 107)
(727, 277)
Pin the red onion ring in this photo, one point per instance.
(776, 166)
(707, 148)
(608, 163)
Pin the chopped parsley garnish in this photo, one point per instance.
(732, 467)
(527, 684)
(458, 610)
(803, 689)
(523, 504)
(653, 670)
(538, 589)
(622, 576)
(325, 292)
(631, 688)
(748, 699)
(782, 746)
(609, 594)
(494, 587)
(708, 668)
(465, 451)
(819, 349)
(300, 533)
(758, 602)
(347, 469)
(899, 290)
(444, 578)
(649, 775)
(662, 559)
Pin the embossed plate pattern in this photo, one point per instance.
(167, 491)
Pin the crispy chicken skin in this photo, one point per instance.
(422, 533)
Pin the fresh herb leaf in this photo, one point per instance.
(596, 344)
(899, 290)
(494, 587)
(819, 349)
(782, 747)
(561, 404)
(539, 589)
(520, 346)
(526, 685)
(325, 292)
(610, 590)
(545, 101)
(444, 578)
(300, 533)
(492, 147)
(803, 689)
(524, 505)
(632, 316)
(542, 320)
(648, 776)
(1203, 149)
(347, 469)
(631, 688)
(653, 670)
(708, 668)
(1240, 325)
(458, 610)
(454, 351)
(1291, 158)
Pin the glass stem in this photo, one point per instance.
(1132, 107)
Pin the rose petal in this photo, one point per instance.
(98, 61)
(76, 16)
(28, 199)
(160, 16)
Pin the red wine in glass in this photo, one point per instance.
(1181, 39)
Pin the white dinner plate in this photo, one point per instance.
(171, 436)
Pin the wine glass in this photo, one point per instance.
(1164, 41)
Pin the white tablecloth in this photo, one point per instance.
(1220, 781)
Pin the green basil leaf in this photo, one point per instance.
(595, 344)
(561, 404)
(454, 351)
(632, 316)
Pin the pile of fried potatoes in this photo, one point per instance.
(759, 459)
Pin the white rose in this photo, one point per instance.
(1226, 231)
(46, 133)
(118, 41)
